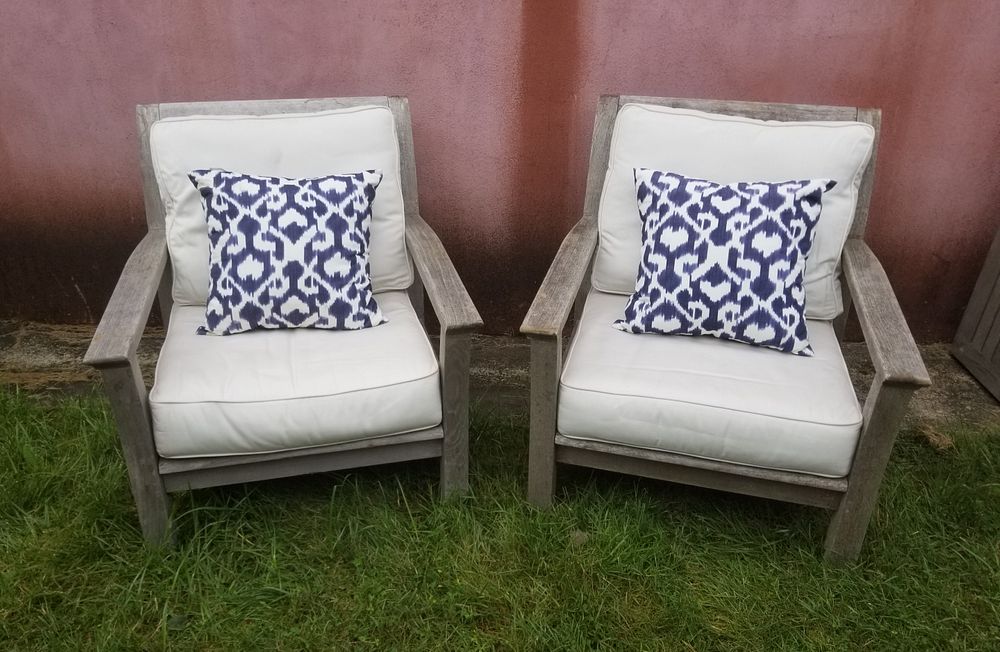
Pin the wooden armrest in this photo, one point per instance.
(890, 344)
(124, 319)
(449, 298)
(554, 300)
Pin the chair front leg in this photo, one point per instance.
(129, 403)
(884, 410)
(455, 354)
(546, 363)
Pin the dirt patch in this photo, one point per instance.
(955, 394)
(38, 356)
(954, 397)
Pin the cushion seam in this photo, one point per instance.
(295, 398)
(298, 448)
(701, 457)
(737, 119)
(563, 384)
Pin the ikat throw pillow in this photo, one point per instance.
(724, 260)
(288, 253)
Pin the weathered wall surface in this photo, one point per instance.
(503, 96)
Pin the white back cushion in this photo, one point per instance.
(726, 149)
(284, 145)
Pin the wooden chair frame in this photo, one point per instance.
(898, 366)
(147, 275)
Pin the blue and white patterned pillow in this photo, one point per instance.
(724, 260)
(288, 253)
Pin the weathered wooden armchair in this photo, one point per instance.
(701, 411)
(269, 404)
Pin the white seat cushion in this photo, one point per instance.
(282, 145)
(267, 391)
(708, 398)
(726, 149)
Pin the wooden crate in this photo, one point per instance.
(977, 342)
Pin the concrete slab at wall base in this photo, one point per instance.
(46, 357)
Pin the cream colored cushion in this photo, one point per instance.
(277, 390)
(708, 398)
(285, 145)
(725, 149)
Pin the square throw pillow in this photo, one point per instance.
(725, 260)
(288, 253)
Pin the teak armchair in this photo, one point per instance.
(251, 372)
(852, 495)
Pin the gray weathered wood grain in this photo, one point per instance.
(840, 321)
(130, 406)
(174, 465)
(267, 107)
(756, 110)
(583, 292)
(985, 334)
(863, 208)
(292, 466)
(992, 341)
(982, 312)
(400, 107)
(977, 342)
(567, 281)
(721, 478)
(600, 152)
(985, 370)
(884, 410)
(975, 345)
(418, 298)
(546, 364)
(784, 477)
(125, 317)
(448, 296)
(437, 279)
(558, 292)
(436, 272)
(145, 116)
(893, 351)
(455, 349)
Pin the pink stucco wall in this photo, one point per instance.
(503, 95)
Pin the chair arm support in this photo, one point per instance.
(125, 317)
(554, 300)
(449, 298)
(899, 372)
(890, 344)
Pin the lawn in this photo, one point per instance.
(372, 560)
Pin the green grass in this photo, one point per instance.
(372, 560)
